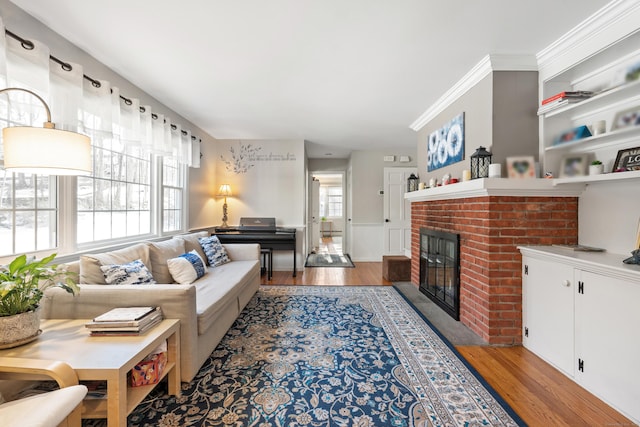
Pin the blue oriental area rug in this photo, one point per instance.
(330, 356)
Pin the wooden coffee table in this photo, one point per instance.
(108, 359)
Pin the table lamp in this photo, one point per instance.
(224, 191)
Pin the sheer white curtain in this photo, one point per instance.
(116, 201)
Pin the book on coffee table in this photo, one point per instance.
(125, 321)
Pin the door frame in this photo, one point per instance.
(345, 201)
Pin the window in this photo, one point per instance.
(28, 213)
(115, 202)
(173, 177)
(330, 201)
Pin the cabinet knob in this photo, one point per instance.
(566, 283)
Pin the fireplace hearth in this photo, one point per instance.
(440, 269)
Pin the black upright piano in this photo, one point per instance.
(262, 231)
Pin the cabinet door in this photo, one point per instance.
(547, 305)
(607, 321)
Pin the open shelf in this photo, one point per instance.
(605, 177)
(609, 139)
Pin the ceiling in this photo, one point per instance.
(341, 74)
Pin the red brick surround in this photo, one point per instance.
(491, 228)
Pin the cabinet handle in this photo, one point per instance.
(566, 283)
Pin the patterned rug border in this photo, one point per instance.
(466, 363)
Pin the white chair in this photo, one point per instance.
(58, 408)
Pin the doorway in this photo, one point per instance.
(327, 211)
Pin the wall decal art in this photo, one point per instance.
(242, 159)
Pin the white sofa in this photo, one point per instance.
(206, 309)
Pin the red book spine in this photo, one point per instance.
(554, 97)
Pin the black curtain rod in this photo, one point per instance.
(28, 45)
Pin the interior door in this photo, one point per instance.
(397, 212)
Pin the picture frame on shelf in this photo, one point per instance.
(627, 160)
(626, 118)
(574, 165)
(521, 167)
(574, 134)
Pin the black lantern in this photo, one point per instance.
(412, 183)
(480, 161)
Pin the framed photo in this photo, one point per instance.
(521, 167)
(446, 145)
(574, 165)
(573, 135)
(627, 160)
(623, 119)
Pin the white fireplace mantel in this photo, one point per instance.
(497, 187)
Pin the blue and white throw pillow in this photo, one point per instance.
(133, 273)
(213, 249)
(187, 268)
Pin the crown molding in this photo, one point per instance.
(488, 64)
(595, 32)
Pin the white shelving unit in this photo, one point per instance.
(603, 73)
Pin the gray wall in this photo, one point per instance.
(500, 114)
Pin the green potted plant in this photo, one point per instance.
(22, 285)
(596, 167)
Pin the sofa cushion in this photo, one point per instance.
(187, 268)
(90, 272)
(132, 273)
(213, 249)
(220, 287)
(159, 253)
(191, 243)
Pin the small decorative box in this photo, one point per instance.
(149, 370)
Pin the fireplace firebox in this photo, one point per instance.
(440, 269)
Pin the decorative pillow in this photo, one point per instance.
(191, 243)
(133, 273)
(90, 264)
(187, 268)
(159, 253)
(213, 249)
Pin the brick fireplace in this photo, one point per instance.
(491, 227)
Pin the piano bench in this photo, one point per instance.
(267, 261)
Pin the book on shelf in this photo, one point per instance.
(580, 94)
(131, 324)
(581, 248)
(557, 104)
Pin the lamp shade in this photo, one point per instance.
(224, 190)
(46, 151)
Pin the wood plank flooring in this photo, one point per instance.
(538, 393)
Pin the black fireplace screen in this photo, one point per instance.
(440, 269)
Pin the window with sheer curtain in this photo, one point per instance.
(140, 160)
(330, 201)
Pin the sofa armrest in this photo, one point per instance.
(243, 251)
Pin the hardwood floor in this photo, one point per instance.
(538, 393)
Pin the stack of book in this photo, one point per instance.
(125, 321)
(563, 98)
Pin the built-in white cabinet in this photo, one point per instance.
(549, 332)
(581, 314)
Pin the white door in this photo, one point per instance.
(397, 212)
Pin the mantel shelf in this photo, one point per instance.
(497, 187)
